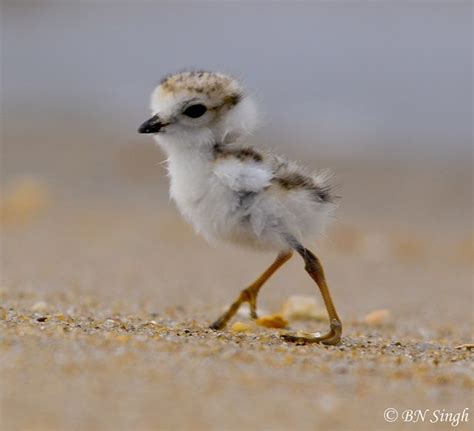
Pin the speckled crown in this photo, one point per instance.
(210, 84)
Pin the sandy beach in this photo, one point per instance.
(106, 296)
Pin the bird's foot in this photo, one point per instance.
(219, 323)
(248, 295)
(331, 338)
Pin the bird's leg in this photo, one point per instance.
(250, 293)
(315, 270)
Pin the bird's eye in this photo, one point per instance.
(195, 111)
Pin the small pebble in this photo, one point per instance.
(272, 321)
(241, 327)
(109, 323)
(39, 306)
(23, 199)
(378, 317)
(468, 346)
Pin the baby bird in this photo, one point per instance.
(230, 191)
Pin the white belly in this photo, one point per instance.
(202, 200)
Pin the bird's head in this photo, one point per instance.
(199, 107)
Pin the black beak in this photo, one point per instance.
(153, 125)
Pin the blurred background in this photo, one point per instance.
(380, 92)
(352, 80)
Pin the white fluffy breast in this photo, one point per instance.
(239, 176)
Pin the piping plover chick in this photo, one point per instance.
(231, 192)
